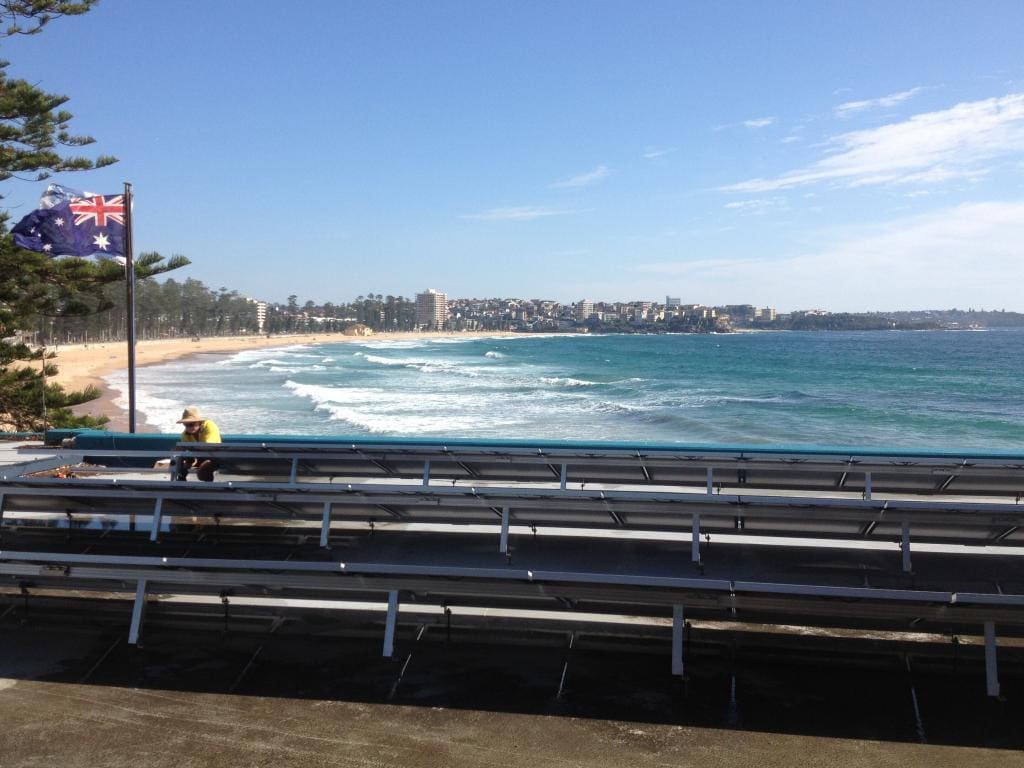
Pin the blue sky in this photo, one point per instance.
(842, 155)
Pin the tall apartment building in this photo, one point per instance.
(261, 314)
(672, 302)
(584, 309)
(431, 310)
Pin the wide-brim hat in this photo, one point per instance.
(191, 415)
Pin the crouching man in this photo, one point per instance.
(198, 429)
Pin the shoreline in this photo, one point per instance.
(83, 365)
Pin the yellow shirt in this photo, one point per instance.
(208, 433)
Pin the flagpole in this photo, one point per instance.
(129, 266)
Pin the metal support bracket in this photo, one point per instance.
(695, 542)
(158, 505)
(389, 627)
(138, 610)
(905, 546)
(503, 543)
(325, 526)
(678, 628)
(991, 667)
(224, 595)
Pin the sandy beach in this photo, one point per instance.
(81, 365)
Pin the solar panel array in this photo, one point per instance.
(778, 537)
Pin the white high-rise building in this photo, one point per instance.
(261, 314)
(584, 309)
(431, 310)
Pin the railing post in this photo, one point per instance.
(695, 542)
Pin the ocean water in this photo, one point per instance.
(927, 389)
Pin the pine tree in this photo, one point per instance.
(34, 135)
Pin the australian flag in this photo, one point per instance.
(72, 223)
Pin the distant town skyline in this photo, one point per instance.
(430, 305)
(855, 157)
(433, 310)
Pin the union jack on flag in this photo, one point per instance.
(99, 209)
(72, 223)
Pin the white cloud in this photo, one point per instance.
(927, 148)
(522, 213)
(760, 122)
(651, 153)
(967, 255)
(582, 180)
(852, 107)
(757, 206)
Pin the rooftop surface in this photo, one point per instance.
(85, 698)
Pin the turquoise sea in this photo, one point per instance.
(927, 389)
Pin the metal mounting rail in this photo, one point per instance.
(643, 593)
(929, 473)
(182, 570)
(37, 501)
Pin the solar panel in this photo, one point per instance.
(815, 538)
(720, 472)
(952, 522)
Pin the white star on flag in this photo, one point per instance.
(47, 247)
(101, 241)
(59, 222)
